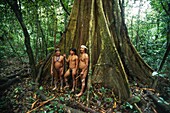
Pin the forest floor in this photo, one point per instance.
(19, 95)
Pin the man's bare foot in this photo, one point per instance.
(78, 95)
(72, 90)
(66, 87)
(54, 88)
(61, 89)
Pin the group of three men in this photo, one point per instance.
(75, 63)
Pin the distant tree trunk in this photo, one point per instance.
(55, 31)
(138, 27)
(15, 52)
(40, 36)
(167, 11)
(132, 27)
(122, 6)
(164, 58)
(37, 42)
(55, 26)
(17, 11)
(44, 42)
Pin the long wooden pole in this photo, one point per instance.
(90, 51)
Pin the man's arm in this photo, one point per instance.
(67, 60)
(86, 62)
(77, 60)
(52, 66)
(63, 61)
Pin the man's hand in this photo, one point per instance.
(82, 73)
(51, 72)
(64, 55)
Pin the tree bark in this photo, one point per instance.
(114, 58)
(17, 11)
(41, 69)
(91, 34)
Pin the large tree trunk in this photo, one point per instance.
(17, 11)
(114, 58)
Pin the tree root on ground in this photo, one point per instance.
(83, 107)
(160, 104)
(41, 104)
(13, 78)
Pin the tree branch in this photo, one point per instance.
(165, 8)
(81, 106)
(164, 58)
(62, 4)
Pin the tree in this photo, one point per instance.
(152, 31)
(114, 58)
(17, 10)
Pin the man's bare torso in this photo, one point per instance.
(58, 62)
(72, 61)
(82, 60)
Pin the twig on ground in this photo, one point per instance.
(41, 104)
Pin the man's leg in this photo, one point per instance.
(55, 79)
(83, 83)
(74, 81)
(65, 78)
(61, 78)
(52, 80)
(77, 78)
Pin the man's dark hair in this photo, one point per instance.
(74, 50)
(85, 50)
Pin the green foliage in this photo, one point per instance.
(148, 29)
(43, 19)
(61, 99)
(127, 105)
(41, 88)
(50, 109)
(53, 108)
(2, 51)
(2, 102)
(162, 101)
(108, 99)
(96, 97)
(61, 109)
(103, 90)
(83, 98)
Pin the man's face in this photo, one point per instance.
(82, 50)
(57, 53)
(71, 52)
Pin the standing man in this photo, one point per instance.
(73, 65)
(83, 66)
(57, 67)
